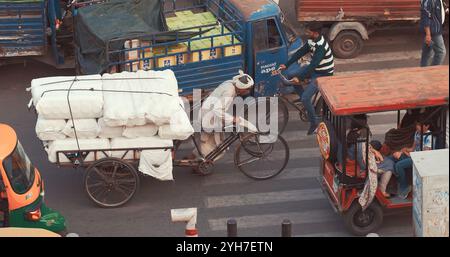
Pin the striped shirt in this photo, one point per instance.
(322, 61)
(432, 15)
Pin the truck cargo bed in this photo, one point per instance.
(356, 10)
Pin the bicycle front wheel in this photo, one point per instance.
(262, 157)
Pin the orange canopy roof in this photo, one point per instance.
(385, 90)
(8, 141)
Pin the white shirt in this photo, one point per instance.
(214, 108)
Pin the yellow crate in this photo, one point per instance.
(181, 58)
(233, 50)
(146, 64)
(166, 61)
(134, 66)
(206, 55)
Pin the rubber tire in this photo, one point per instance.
(282, 106)
(240, 148)
(111, 159)
(354, 37)
(373, 227)
(333, 142)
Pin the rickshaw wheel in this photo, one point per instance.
(111, 182)
(205, 168)
(362, 223)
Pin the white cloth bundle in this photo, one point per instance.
(148, 130)
(157, 163)
(49, 130)
(142, 142)
(107, 131)
(134, 99)
(85, 129)
(70, 144)
(180, 127)
(51, 101)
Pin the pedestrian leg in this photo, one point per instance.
(439, 50)
(426, 55)
(306, 99)
(400, 171)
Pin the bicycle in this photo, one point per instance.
(317, 101)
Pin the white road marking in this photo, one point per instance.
(256, 221)
(230, 177)
(263, 198)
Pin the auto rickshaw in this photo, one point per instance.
(22, 189)
(347, 96)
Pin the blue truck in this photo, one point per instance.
(259, 40)
(29, 30)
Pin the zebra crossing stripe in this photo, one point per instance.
(227, 177)
(263, 198)
(257, 221)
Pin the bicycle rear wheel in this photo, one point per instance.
(262, 157)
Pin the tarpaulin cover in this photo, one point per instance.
(106, 26)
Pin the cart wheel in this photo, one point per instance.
(111, 182)
(362, 223)
(262, 156)
(205, 168)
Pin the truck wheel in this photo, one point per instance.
(348, 44)
(362, 223)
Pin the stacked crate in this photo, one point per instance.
(142, 54)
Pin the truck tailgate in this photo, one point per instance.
(348, 10)
(22, 28)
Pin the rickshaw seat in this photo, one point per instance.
(350, 170)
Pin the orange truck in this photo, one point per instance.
(350, 22)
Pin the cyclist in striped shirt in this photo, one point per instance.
(322, 64)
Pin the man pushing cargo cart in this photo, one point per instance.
(118, 126)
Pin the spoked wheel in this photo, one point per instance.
(262, 156)
(255, 113)
(361, 222)
(111, 182)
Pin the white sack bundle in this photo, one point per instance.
(70, 144)
(142, 142)
(148, 130)
(49, 130)
(107, 131)
(180, 127)
(157, 163)
(137, 98)
(85, 129)
(51, 102)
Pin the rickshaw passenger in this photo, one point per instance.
(404, 157)
(385, 166)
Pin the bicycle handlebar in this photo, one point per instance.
(285, 80)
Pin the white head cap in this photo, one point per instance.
(241, 85)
